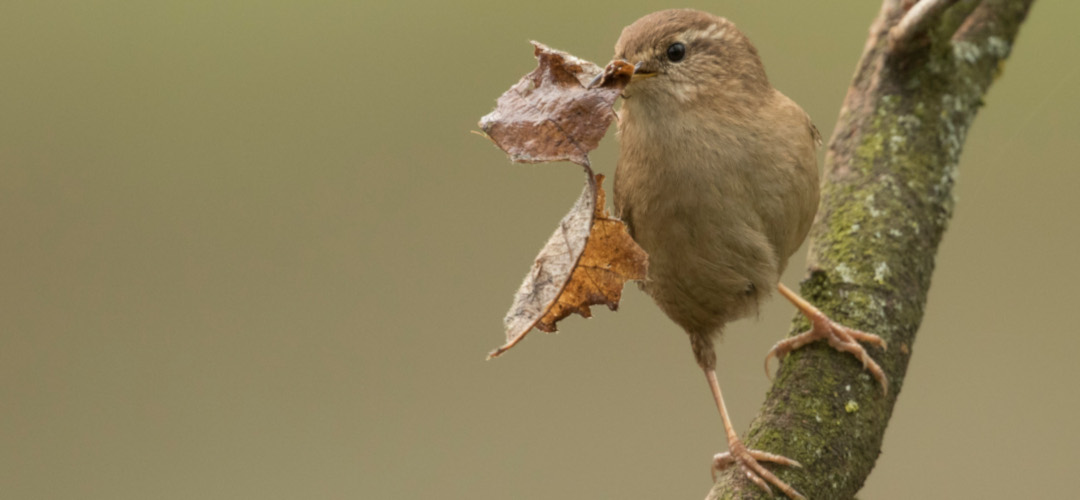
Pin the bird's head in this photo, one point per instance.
(687, 55)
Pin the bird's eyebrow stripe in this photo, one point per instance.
(714, 31)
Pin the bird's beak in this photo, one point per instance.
(640, 74)
(620, 68)
(617, 70)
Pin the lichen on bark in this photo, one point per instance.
(887, 197)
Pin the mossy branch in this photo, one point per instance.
(887, 197)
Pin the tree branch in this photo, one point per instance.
(915, 22)
(886, 201)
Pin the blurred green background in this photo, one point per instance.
(251, 250)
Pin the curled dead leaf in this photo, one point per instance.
(552, 113)
(586, 262)
(561, 111)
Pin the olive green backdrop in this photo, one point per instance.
(251, 250)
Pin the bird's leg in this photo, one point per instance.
(738, 454)
(838, 336)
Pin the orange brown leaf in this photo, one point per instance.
(586, 262)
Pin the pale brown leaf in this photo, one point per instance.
(551, 114)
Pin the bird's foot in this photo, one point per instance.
(748, 462)
(840, 338)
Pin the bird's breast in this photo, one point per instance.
(708, 263)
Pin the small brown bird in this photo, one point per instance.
(717, 180)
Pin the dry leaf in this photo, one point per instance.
(551, 114)
(586, 262)
(558, 112)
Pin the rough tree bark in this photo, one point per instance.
(886, 200)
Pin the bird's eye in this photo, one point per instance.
(676, 52)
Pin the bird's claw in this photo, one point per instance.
(840, 338)
(748, 462)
